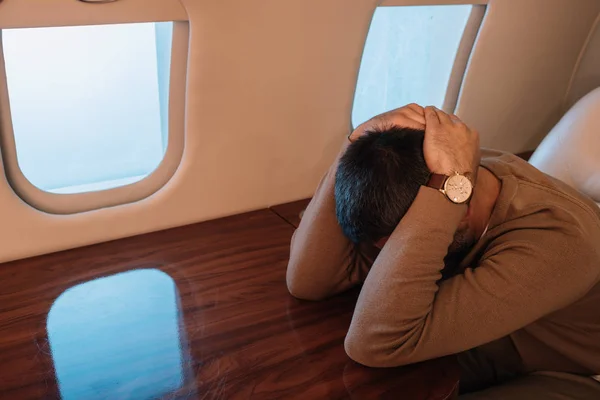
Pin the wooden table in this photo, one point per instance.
(197, 312)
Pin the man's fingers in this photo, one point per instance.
(455, 119)
(444, 118)
(415, 107)
(431, 117)
(413, 111)
(415, 115)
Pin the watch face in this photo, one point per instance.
(458, 189)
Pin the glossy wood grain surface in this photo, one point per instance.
(197, 312)
(291, 212)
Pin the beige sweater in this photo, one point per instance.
(531, 283)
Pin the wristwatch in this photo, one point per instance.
(458, 188)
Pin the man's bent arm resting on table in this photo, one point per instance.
(323, 261)
(405, 312)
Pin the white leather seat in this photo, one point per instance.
(571, 151)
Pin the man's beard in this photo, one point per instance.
(457, 251)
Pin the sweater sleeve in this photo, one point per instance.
(323, 262)
(404, 316)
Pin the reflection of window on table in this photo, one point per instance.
(118, 337)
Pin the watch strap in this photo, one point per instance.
(437, 181)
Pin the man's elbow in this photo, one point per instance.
(304, 293)
(303, 290)
(368, 351)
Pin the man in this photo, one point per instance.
(482, 255)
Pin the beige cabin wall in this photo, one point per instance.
(586, 76)
(520, 69)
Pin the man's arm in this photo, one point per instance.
(403, 316)
(323, 261)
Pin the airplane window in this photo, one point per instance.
(408, 57)
(89, 104)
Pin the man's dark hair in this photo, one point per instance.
(377, 180)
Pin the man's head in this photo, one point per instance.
(377, 180)
(383, 170)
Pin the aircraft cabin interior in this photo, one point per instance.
(172, 199)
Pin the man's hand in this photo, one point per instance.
(450, 146)
(409, 116)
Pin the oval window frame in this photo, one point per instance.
(67, 13)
